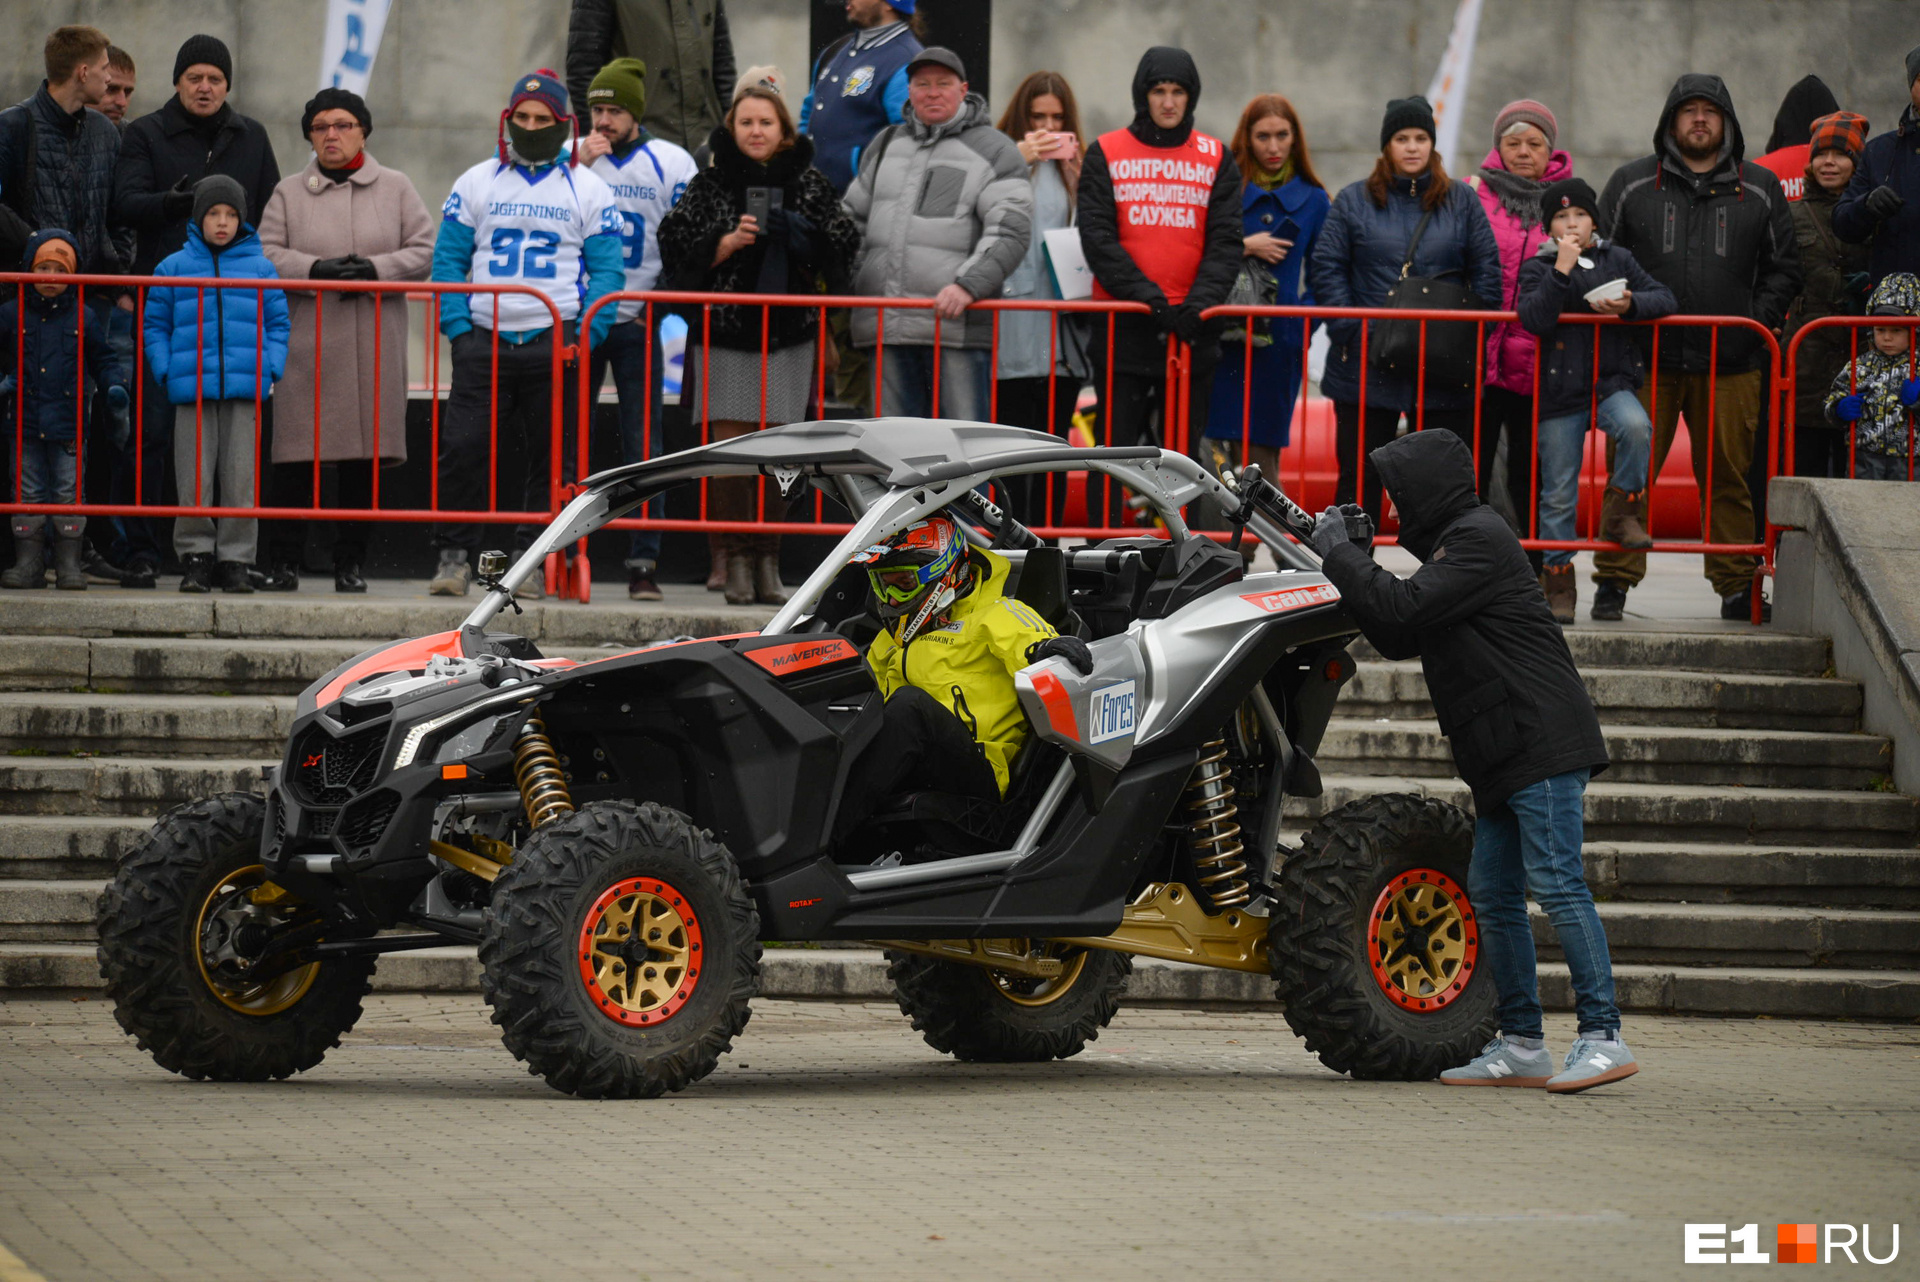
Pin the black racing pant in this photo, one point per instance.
(921, 747)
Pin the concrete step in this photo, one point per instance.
(1682, 934)
(37, 910)
(390, 611)
(118, 785)
(1733, 649)
(1643, 697)
(65, 846)
(1804, 876)
(860, 975)
(1686, 813)
(1640, 754)
(152, 724)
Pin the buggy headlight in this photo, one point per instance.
(410, 745)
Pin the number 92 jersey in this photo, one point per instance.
(528, 229)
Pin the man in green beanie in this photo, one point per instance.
(647, 175)
(686, 44)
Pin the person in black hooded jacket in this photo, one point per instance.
(1523, 732)
(1159, 215)
(1715, 229)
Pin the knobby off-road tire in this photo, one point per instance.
(609, 873)
(1322, 934)
(149, 921)
(984, 1016)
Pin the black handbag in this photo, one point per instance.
(1452, 348)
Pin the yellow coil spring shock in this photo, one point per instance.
(536, 768)
(1214, 835)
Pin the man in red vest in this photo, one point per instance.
(1159, 213)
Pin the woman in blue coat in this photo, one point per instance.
(218, 352)
(1361, 251)
(1283, 206)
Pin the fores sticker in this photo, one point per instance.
(1110, 711)
(1292, 598)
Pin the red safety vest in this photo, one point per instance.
(1160, 199)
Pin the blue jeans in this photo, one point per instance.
(1530, 845)
(625, 349)
(906, 382)
(46, 471)
(1562, 439)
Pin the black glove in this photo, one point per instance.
(1072, 649)
(176, 202)
(795, 230)
(1360, 529)
(331, 269)
(1163, 316)
(1883, 202)
(1329, 532)
(1186, 323)
(358, 268)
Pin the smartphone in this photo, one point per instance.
(1287, 230)
(1068, 147)
(761, 202)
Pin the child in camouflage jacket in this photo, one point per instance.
(1877, 391)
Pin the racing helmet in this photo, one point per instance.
(918, 572)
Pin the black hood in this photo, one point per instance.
(1806, 102)
(1429, 476)
(1158, 64)
(1697, 84)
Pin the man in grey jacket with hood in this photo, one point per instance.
(945, 212)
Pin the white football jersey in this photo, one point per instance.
(645, 186)
(530, 233)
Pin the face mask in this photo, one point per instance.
(537, 146)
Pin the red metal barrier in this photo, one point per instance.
(1855, 347)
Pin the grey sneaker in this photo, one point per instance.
(1590, 1064)
(1499, 1064)
(453, 574)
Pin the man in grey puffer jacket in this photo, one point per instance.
(945, 212)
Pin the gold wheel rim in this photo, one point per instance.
(1031, 990)
(268, 998)
(640, 954)
(1424, 940)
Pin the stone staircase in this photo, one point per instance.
(1744, 850)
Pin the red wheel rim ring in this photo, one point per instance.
(1417, 880)
(615, 1008)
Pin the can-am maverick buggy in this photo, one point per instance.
(618, 836)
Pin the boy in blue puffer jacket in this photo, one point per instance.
(218, 352)
(43, 325)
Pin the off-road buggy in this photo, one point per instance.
(619, 836)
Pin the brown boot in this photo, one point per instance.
(1623, 519)
(767, 589)
(1563, 592)
(717, 572)
(739, 581)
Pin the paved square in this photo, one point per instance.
(834, 1144)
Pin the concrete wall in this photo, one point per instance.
(1602, 65)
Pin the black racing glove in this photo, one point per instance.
(331, 269)
(1883, 202)
(176, 202)
(1329, 532)
(1186, 323)
(1072, 649)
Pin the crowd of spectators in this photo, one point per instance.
(656, 163)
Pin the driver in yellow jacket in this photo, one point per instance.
(945, 663)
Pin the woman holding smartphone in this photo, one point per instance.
(761, 220)
(1283, 205)
(1044, 121)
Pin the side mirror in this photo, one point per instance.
(492, 565)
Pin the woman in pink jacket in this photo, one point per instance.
(1523, 161)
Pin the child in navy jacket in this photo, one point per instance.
(218, 352)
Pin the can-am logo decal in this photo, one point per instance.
(781, 660)
(1110, 712)
(1292, 598)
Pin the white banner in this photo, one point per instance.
(1448, 92)
(354, 28)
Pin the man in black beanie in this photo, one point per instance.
(162, 155)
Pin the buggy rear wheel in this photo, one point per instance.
(1375, 948)
(187, 911)
(981, 1014)
(621, 952)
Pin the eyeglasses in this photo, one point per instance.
(321, 131)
